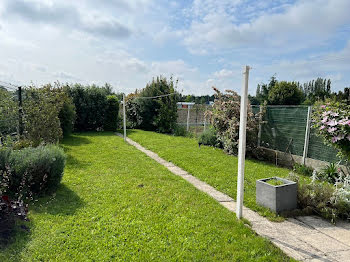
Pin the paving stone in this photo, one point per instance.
(323, 242)
(229, 205)
(343, 256)
(315, 222)
(297, 249)
(296, 227)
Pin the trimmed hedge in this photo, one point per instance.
(39, 169)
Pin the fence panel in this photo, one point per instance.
(284, 130)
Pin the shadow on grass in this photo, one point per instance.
(64, 202)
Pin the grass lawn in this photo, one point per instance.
(116, 204)
(211, 165)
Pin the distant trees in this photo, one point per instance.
(285, 93)
(197, 99)
(292, 93)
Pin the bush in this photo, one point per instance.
(208, 137)
(303, 169)
(8, 113)
(41, 110)
(156, 114)
(40, 168)
(225, 117)
(330, 173)
(112, 110)
(67, 117)
(324, 199)
(90, 105)
(180, 131)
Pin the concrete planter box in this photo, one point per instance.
(278, 198)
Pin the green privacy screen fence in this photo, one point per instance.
(284, 129)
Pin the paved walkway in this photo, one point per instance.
(307, 238)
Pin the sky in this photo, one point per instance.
(202, 43)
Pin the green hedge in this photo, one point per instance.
(40, 168)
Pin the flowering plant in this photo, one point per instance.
(332, 122)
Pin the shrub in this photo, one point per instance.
(208, 137)
(180, 131)
(225, 116)
(41, 168)
(303, 169)
(67, 116)
(41, 109)
(330, 173)
(322, 198)
(90, 105)
(332, 122)
(111, 115)
(10, 210)
(8, 113)
(156, 114)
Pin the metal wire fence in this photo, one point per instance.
(193, 118)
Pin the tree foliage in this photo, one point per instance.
(111, 116)
(158, 113)
(285, 93)
(41, 113)
(91, 104)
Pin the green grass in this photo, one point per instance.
(211, 165)
(274, 182)
(117, 204)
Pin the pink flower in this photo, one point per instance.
(325, 119)
(348, 137)
(334, 114)
(332, 123)
(343, 122)
(334, 139)
(332, 129)
(322, 127)
(323, 106)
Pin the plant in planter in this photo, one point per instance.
(277, 194)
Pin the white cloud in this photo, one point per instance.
(299, 23)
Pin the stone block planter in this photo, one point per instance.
(281, 195)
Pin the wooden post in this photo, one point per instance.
(242, 143)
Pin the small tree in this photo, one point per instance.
(158, 113)
(285, 93)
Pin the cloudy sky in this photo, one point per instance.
(200, 42)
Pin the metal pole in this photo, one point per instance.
(307, 134)
(124, 117)
(20, 111)
(188, 117)
(260, 126)
(242, 143)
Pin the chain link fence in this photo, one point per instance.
(193, 118)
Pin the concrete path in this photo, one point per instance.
(307, 238)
